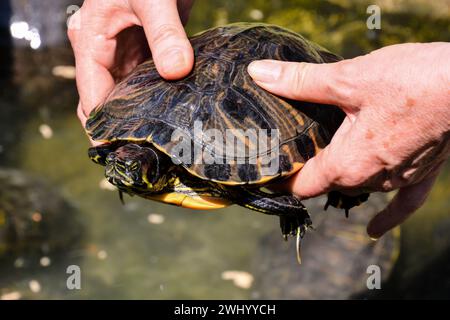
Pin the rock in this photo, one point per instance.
(34, 217)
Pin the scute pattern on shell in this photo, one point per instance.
(220, 93)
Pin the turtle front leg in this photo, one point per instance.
(342, 201)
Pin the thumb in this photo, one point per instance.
(312, 180)
(171, 49)
(319, 173)
(320, 83)
(405, 203)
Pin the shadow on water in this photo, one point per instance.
(148, 250)
(430, 282)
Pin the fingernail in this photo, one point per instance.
(374, 232)
(173, 61)
(264, 70)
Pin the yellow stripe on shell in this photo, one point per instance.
(296, 165)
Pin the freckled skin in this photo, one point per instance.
(410, 102)
(397, 131)
(369, 135)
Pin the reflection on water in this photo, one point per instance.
(149, 250)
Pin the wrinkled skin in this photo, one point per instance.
(110, 38)
(397, 131)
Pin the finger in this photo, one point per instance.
(171, 49)
(81, 115)
(94, 83)
(312, 180)
(83, 118)
(319, 173)
(405, 203)
(94, 45)
(321, 83)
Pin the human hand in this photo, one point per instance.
(397, 131)
(109, 42)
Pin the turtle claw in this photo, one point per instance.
(121, 197)
(298, 246)
(292, 226)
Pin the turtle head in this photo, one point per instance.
(134, 168)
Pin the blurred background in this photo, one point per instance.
(57, 210)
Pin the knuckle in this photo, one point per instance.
(329, 168)
(336, 174)
(74, 27)
(80, 112)
(71, 34)
(350, 176)
(297, 78)
(341, 85)
(164, 33)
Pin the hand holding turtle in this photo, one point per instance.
(109, 42)
(397, 131)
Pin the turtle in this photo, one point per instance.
(215, 138)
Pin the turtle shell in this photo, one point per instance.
(219, 94)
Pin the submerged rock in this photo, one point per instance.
(34, 217)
